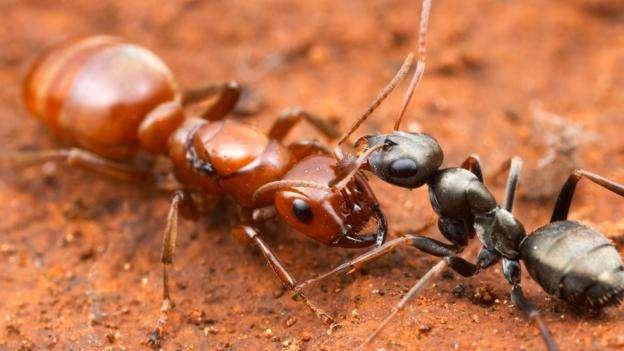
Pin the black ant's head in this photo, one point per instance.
(405, 159)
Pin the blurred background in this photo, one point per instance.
(79, 254)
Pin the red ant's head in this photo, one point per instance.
(305, 200)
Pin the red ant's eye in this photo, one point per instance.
(302, 211)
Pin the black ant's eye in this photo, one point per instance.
(403, 168)
(302, 211)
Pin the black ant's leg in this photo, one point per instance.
(487, 258)
(414, 291)
(423, 243)
(564, 200)
(458, 264)
(292, 116)
(284, 276)
(515, 166)
(83, 158)
(511, 271)
(473, 164)
(511, 268)
(455, 230)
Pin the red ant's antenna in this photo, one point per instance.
(280, 184)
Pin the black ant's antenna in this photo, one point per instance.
(420, 65)
(383, 94)
(407, 64)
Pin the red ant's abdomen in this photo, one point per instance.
(95, 92)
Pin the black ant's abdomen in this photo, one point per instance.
(575, 263)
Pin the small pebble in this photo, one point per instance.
(196, 317)
(306, 336)
(210, 330)
(291, 321)
(459, 290)
(484, 295)
(379, 292)
(446, 274)
(111, 336)
(424, 328)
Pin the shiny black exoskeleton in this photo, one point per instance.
(575, 263)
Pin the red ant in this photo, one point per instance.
(115, 99)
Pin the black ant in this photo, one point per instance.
(568, 259)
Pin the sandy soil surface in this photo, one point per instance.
(79, 253)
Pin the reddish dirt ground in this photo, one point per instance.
(79, 254)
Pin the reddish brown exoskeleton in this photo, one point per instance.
(114, 99)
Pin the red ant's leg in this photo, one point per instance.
(168, 248)
(423, 243)
(183, 203)
(227, 96)
(292, 116)
(83, 158)
(302, 148)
